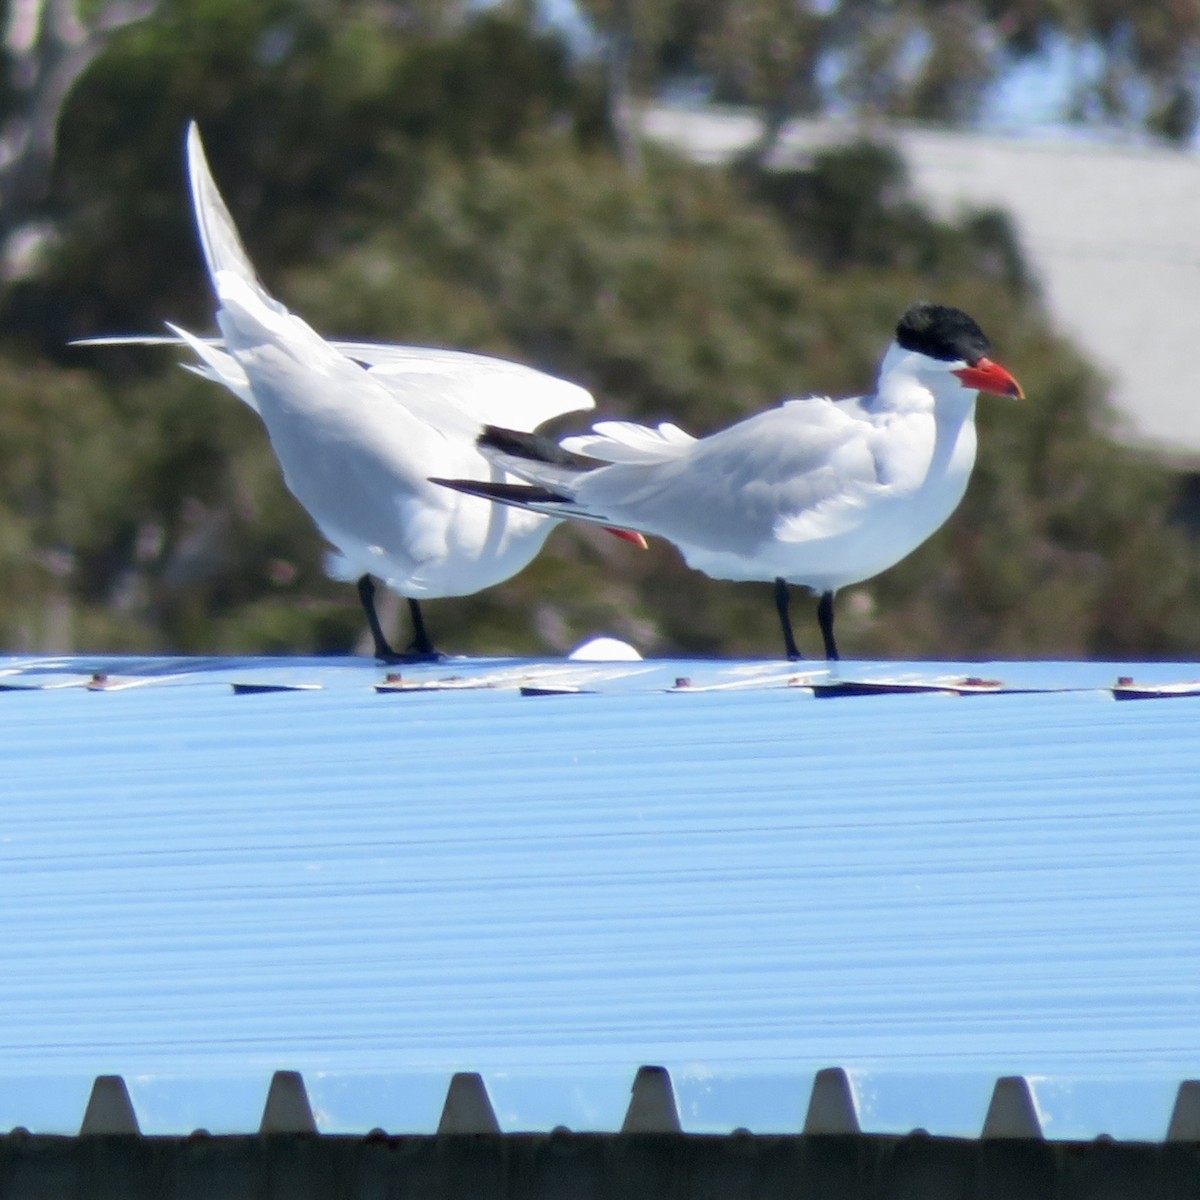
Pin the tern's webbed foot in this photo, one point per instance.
(412, 655)
(417, 654)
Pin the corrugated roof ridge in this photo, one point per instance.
(832, 1110)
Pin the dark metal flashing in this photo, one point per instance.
(650, 1157)
(561, 1164)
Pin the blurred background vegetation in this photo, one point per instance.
(434, 172)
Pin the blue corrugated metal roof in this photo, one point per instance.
(735, 878)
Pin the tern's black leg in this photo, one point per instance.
(421, 649)
(825, 620)
(785, 619)
(420, 646)
(366, 596)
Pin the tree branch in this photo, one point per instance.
(48, 48)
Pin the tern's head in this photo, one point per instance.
(933, 340)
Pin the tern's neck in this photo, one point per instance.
(908, 387)
(907, 384)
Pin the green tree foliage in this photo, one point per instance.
(1138, 61)
(416, 174)
(1134, 63)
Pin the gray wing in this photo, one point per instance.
(794, 472)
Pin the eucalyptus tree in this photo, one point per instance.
(1112, 61)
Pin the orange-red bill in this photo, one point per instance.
(988, 376)
(629, 535)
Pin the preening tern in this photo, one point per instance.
(359, 428)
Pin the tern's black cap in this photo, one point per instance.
(943, 333)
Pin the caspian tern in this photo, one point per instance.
(358, 428)
(817, 492)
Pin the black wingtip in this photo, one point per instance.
(532, 447)
(504, 493)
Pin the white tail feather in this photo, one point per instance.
(219, 238)
(625, 442)
(216, 365)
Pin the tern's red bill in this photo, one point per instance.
(988, 376)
